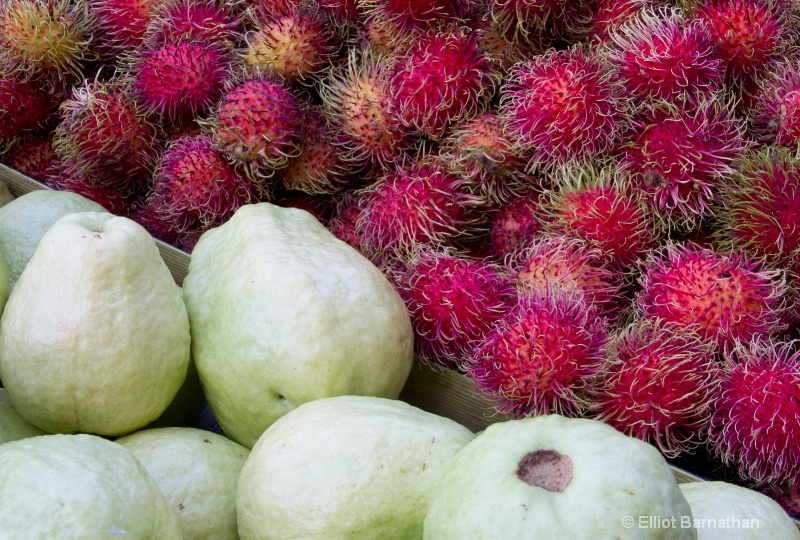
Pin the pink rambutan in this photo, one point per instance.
(597, 205)
(663, 54)
(536, 21)
(657, 385)
(786, 494)
(760, 207)
(354, 98)
(180, 79)
(383, 37)
(69, 177)
(775, 109)
(409, 15)
(341, 12)
(723, 296)
(148, 216)
(24, 106)
(191, 20)
(453, 300)
(442, 79)
(318, 169)
(346, 208)
(608, 15)
(195, 186)
(755, 426)
(257, 124)
(121, 24)
(33, 156)
(480, 151)
(502, 52)
(417, 203)
(515, 224)
(103, 132)
(568, 264)
(541, 356)
(679, 155)
(562, 106)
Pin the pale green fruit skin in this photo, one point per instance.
(79, 487)
(24, 221)
(95, 335)
(5, 284)
(13, 426)
(197, 471)
(5, 195)
(283, 313)
(352, 467)
(613, 477)
(720, 503)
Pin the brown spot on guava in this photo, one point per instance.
(546, 469)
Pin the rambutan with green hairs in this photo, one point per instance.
(775, 110)
(104, 133)
(563, 106)
(515, 224)
(318, 169)
(755, 427)
(46, 40)
(24, 107)
(599, 205)
(295, 45)
(194, 20)
(662, 54)
(179, 80)
(758, 210)
(383, 37)
(410, 15)
(341, 12)
(568, 264)
(442, 79)
(256, 124)
(680, 155)
(453, 300)
(657, 385)
(542, 356)
(354, 97)
(32, 156)
(725, 297)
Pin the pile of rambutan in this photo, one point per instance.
(589, 207)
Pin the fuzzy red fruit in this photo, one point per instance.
(24, 106)
(657, 385)
(204, 20)
(536, 21)
(121, 24)
(756, 422)
(775, 112)
(516, 223)
(541, 356)
(724, 297)
(319, 206)
(442, 79)
(664, 55)
(410, 15)
(341, 12)
(609, 15)
(33, 156)
(345, 216)
(562, 106)
(69, 177)
(196, 186)
(452, 301)
(180, 79)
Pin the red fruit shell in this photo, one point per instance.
(69, 177)
(194, 20)
(33, 156)
(410, 15)
(775, 113)
(24, 106)
(516, 223)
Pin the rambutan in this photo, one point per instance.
(482, 153)
(515, 224)
(24, 106)
(383, 37)
(195, 186)
(755, 426)
(759, 209)
(46, 40)
(775, 111)
(568, 264)
(179, 79)
(102, 131)
(415, 204)
(663, 54)
(409, 15)
(346, 208)
(193, 20)
(318, 169)
(442, 79)
(257, 124)
(562, 106)
(536, 21)
(598, 205)
(354, 98)
(33, 156)
(679, 156)
(453, 300)
(293, 45)
(319, 206)
(341, 12)
(724, 297)
(502, 52)
(121, 24)
(607, 16)
(786, 494)
(145, 213)
(541, 356)
(657, 385)
(65, 176)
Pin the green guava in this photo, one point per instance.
(13, 426)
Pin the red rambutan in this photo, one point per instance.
(121, 24)
(341, 12)
(755, 426)
(346, 208)
(24, 106)
(541, 356)
(657, 385)
(195, 187)
(146, 214)
(680, 155)
(562, 106)
(452, 300)
(354, 98)
(180, 79)
(409, 15)
(664, 55)
(775, 111)
(442, 79)
(257, 124)
(608, 15)
(319, 206)
(383, 37)
(69, 177)
(724, 297)
(515, 224)
(493, 42)
(537, 21)
(33, 156)
(191, 20)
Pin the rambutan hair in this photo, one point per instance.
(537, 22)
(515, 224)
(657, 385)
(410, 15)
(195, 20)
(33, 155)
(775, 112)
(24, 107)
(606, 16)
(755, 426)
(541, 357)
(67, 176)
